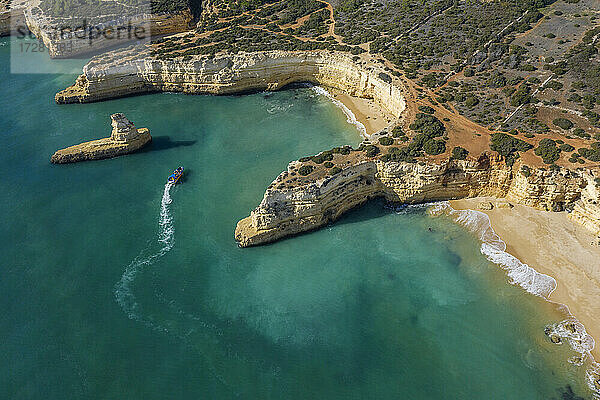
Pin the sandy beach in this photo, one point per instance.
(366, 111)
(553, 245)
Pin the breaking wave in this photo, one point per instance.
(494, 248)
(350, 117)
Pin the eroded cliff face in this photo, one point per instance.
(236, 73)
(284, 212)
(125, 138)
(288, 209)
(12, 20)
(62, 43)
(586, 210)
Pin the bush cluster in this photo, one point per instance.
(386, 141)
(305, 170)
(563, 123)
(459, 153)
(548, 151)
(508, 146)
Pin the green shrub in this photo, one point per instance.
(592, 154)
(508, 146)
(426, 109)
(345, 150)
(508, 91)
(328, 164)
(321, 158)
(428, 124)
(581, 133)
(471, 101)
(567, 148)
(555, 85)
(370, 149)
(563, 123)
(521, 96)
(548, 151)
(434, 147)
(459, 153)
(386, 141)
(335, 170)
(525, 170)
(305, 170)
(398, 132)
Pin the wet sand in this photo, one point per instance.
(553, 245)
(366, 111)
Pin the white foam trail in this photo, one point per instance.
(123, 292)
(350, 117)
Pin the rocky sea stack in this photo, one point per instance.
(124, 139)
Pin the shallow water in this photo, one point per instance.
(115, 286)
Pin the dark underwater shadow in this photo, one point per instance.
(371, 209)
(165, 143)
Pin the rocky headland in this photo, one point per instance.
(121, 74)
(296, 202)
(124, 139)
(288, 209)
(12, 16)
(90, 37)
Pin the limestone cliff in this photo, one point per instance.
(125, 138)
(288, 211)
(292, 205)
(235, 73)
(12, 19)
(586, 210)
(62, 43)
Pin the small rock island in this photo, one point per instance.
(124, 139)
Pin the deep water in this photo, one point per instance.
(114, 286)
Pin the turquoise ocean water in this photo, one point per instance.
(114, 287)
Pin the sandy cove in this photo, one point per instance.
(547, 241)
(553, 245)
(366, 111)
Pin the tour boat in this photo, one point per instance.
(175, 176)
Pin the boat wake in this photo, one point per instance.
(189, 328)
(165, 240)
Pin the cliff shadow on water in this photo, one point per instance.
(166, 143)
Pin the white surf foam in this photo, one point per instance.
(123, 291)
(494, 248)
(350, 117)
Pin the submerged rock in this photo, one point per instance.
(124, 139)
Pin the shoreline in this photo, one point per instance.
(555, 246)
(366, 111)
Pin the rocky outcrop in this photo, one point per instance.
(12, 20)
(125, 138)
(89, 37)
(289, 211)
(586, 210)
(236, 73)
